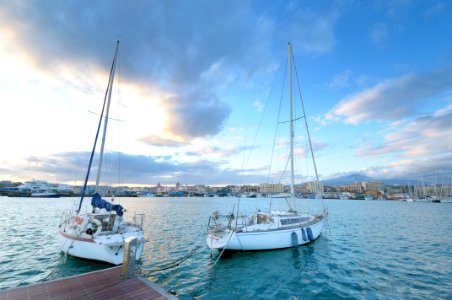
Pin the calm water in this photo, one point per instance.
(367, 250)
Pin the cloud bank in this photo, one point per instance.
(393, 99)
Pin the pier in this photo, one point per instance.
(104, 284)
(113, 283)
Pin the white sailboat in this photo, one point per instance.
(273, 229)
(100, 234)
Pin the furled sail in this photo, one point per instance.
(98, 202)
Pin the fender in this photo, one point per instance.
(98, 226)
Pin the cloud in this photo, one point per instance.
(258, 105)
(155, 140)
(393, 99)
(169, 45)
(197, 114)
(378, 34)
(341, 80)
(435, 169)
(223, 152)
(425, 136)
(189, 50)
(133, 169)
(434, 11)
(314, 29)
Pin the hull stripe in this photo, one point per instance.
(76, 238)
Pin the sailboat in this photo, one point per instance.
(100, 234)
(273, 229)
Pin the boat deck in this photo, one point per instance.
(104, 284)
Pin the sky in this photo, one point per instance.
(198, 88)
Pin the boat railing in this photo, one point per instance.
(219, 222)
(66, 216)
(138, 220)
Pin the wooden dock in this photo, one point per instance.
(103, 284)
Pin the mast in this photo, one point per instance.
(107, 94)
(104, 134)
(292, 190)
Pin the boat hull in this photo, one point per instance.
(44, 195)
(265, 240)
(95, 249)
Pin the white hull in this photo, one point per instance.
(281, 195)
(92, 249)
(99, 236)
(45, 195)
(252, 240)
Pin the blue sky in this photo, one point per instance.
(194, 82)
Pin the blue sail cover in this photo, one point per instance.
(98, 202)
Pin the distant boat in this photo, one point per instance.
(344, 196)
(281, 195)
(100, 235)
(268, 230)
(45, 194)
(369, 198)
(250, 195)
(39, 189)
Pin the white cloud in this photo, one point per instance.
(434, 169)
(435, 10)
(315, 30)
(425, 136)
(378, 34)
(258, 105)
(341, 80)
(393, 99)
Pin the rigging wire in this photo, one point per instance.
(260, 122)
(277, 122)
(307, 130)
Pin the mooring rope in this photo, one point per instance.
(171, 264)
(222, 251)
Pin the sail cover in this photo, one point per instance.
(98, 202)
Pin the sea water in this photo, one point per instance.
(367, 250)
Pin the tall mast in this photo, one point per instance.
(292, 190)
(104, 134)
(107, 93)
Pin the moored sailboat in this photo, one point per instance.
(273, 229)
(100, 234)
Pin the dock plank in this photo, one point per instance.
(104, 284)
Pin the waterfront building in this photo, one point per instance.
(271, 188)
(315, 187)
(354, 188)
(373, 185)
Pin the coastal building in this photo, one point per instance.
(250, 188)
(373, 185)
(300, 189)
(271, 188)
(354, 188)
(315, 187)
